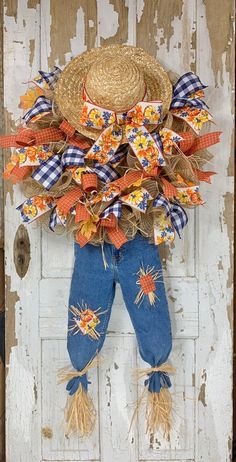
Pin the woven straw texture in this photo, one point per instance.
(115, 77)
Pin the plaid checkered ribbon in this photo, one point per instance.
(41, 105)
(52, 77)
(114, 208)
(190, 144)
(49, 172)
(174, 211)
(56, 219)
(184, 92)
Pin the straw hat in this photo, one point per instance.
(115, 77)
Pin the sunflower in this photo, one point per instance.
(96, 118)
(134, 198)
(140, 142)
(29, 210)
(151, 114)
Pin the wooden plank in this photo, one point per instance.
(117, 395)
(2, 272)
(21, 53)
(215, 45)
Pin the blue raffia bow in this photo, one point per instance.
(157, 380)
(187, 85)
(177, 214)
(74, 383)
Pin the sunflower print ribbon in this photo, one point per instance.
(134, 121)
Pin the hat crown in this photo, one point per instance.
(115, 84)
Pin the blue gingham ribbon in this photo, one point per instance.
(175, 212)
(51, 77)
(54, 220)
(120, 154)
(158, 140)
(187, 85)
(49, 172)
(105, 172)
(42, 104)
(73, 157)
(114, 208)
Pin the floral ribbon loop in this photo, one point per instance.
(141, 115)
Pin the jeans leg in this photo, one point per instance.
(91, 296)
(142, 285)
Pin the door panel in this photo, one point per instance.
(183, 35)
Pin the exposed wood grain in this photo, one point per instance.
(162, 14)
(81, 20)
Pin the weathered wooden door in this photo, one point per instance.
(184, 35)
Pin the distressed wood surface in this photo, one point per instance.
(184, 35)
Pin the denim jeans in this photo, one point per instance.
(91, 297)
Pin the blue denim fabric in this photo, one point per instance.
(94, 285)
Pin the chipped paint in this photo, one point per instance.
(164, 16)
(116, 29)
(32, 51)
(167, 30)
(11, 8)
(202, 394)
(11, 299)
(220, 23)
(77, 34)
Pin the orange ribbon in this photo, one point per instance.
(192, 144)
(115, 234)
(29, 137)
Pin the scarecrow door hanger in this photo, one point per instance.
(37, 294)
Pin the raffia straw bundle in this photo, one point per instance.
(158, 405)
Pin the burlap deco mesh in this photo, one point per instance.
(140, 73)
(131, 221)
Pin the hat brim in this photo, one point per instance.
(69, 88)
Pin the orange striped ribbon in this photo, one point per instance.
(192, 144)
(169, 189)
(69, 199)
(29, 137)
(203, 176)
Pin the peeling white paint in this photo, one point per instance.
(108, 19)
(20, 379)
(78, 42)
(140, 7)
